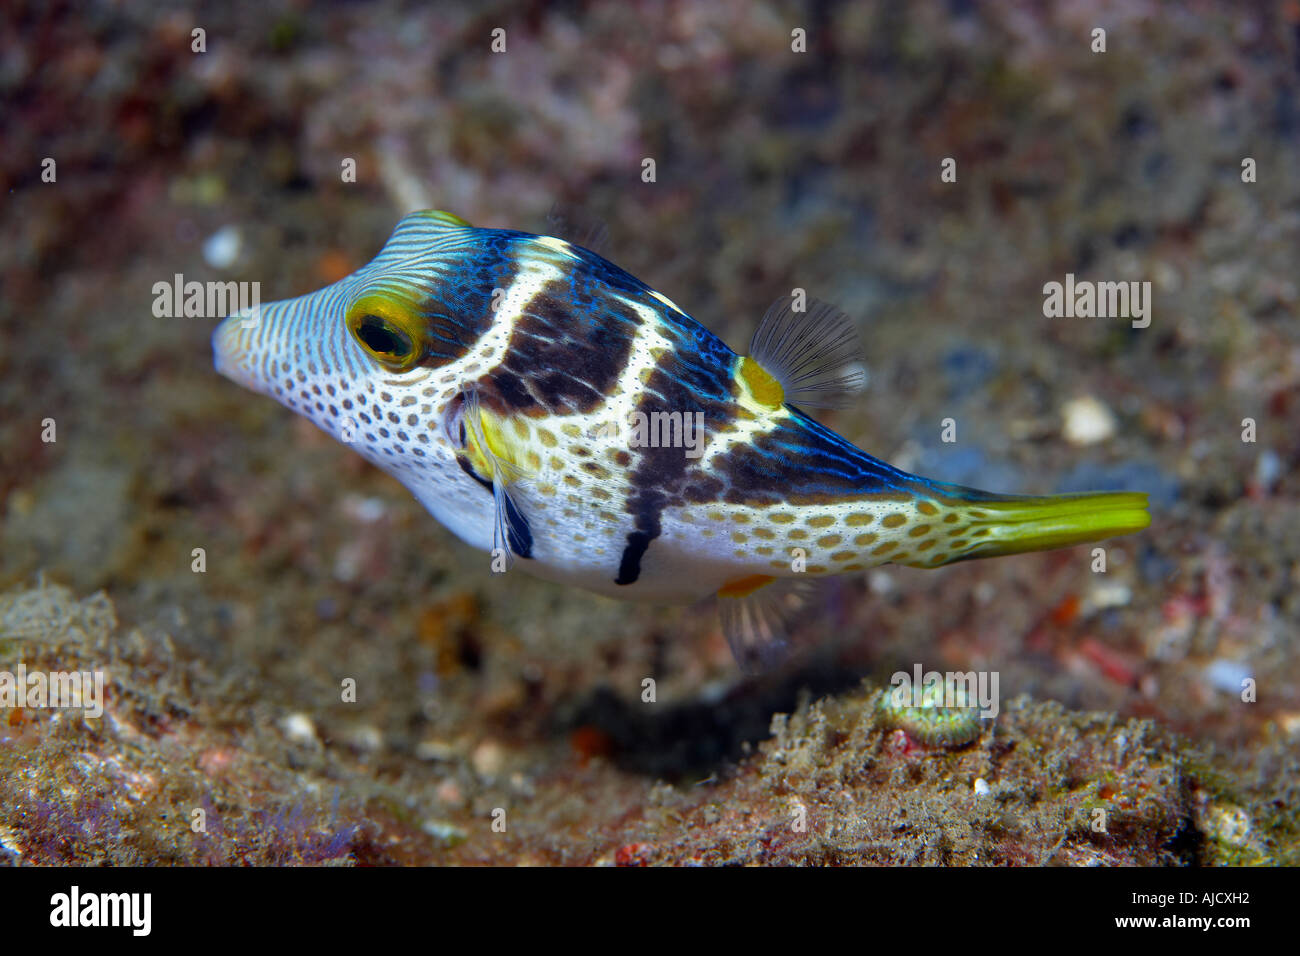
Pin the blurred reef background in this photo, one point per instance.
(774, 169)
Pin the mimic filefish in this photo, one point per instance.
(552, 409)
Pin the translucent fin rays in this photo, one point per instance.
(816, 354)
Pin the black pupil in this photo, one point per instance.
(382, 338)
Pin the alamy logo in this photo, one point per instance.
(179, 299)
(662, 430)
(103, 909)
(954, 689)
(82, 690)
(1102, 300)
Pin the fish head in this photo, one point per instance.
(381, 358)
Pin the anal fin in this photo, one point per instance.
(758, 613)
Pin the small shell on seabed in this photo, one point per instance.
(939, 716)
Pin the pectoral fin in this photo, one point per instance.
(484, 457)
(510, 530)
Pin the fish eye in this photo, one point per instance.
(382, 339)
(385, 339)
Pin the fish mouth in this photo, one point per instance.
(233, 354)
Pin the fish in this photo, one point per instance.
(559, 414)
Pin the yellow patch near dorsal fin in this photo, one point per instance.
(761, 383)
(810, 353)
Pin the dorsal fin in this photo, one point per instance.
(815, 354)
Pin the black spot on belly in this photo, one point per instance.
(629, 568)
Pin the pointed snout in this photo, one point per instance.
(283, 348)
(234, 351)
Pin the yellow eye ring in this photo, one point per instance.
(385, 331)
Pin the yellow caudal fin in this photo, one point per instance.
(988, 526)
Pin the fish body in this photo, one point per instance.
(550, 408)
